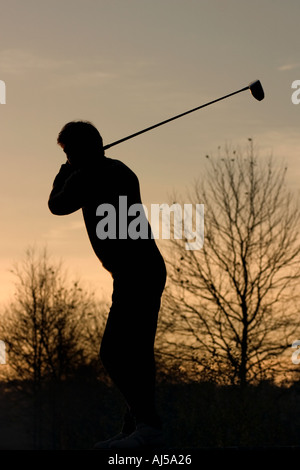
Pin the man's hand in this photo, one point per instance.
(64, 173)
(69, 190)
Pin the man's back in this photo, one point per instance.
(119, 252)
(106, 191)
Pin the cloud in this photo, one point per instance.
(80, 78)
(55, 73)
(65, 232)
(285, 67)
(77, 72)
(17, 61)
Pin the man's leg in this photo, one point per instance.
(127, 352)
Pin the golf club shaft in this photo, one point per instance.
(173, 118)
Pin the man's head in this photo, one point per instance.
(81, 142)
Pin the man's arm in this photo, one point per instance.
(68, 192)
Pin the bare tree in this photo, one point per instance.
(46, 325)
(51, 329)
(230, 308)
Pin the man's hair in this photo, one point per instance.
(84, 131)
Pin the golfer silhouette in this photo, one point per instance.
(89, 179)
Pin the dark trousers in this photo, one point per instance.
(127, 348)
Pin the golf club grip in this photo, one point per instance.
(172, 119)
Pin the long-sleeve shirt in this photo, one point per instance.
(103, 183)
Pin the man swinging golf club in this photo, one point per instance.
(85, 181)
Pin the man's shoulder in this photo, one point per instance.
(119, 167)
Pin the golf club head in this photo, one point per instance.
(257, 90)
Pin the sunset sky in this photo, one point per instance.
(125, 65)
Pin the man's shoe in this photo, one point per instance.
(144, 437)
(106, 444)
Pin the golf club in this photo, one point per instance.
(256, 91)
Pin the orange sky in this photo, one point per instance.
(125, 65)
